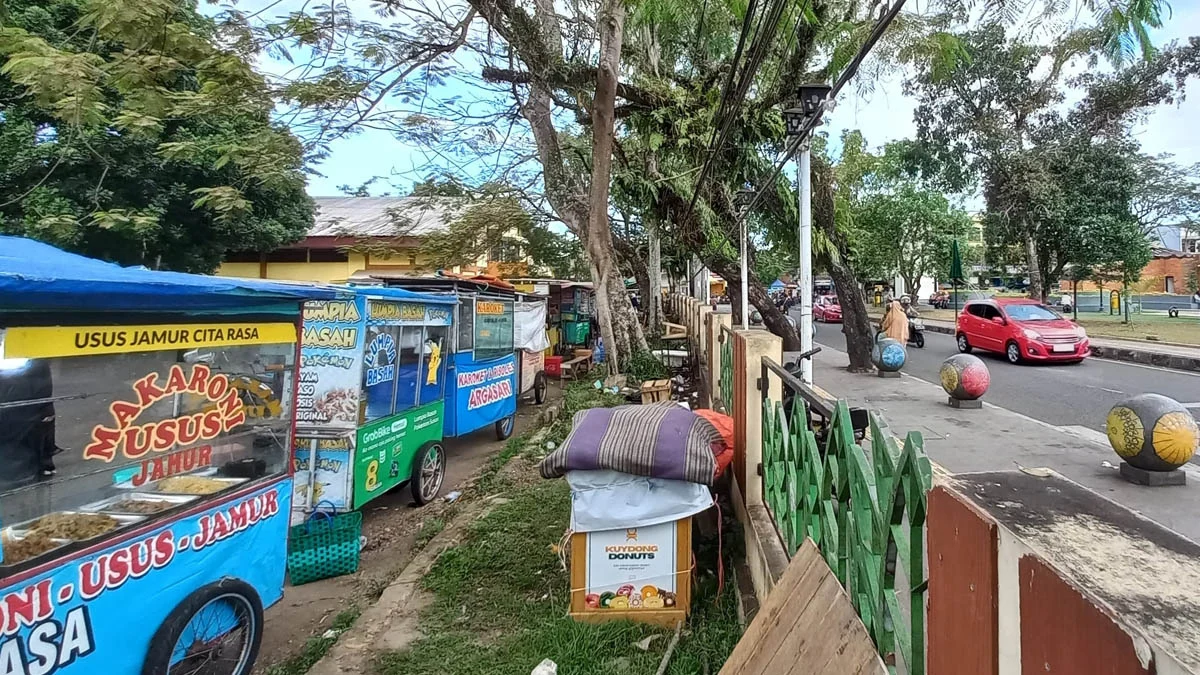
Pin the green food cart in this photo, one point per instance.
(370, 398)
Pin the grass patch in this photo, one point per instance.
(430, 528)
(579, 396)
(316, 647)
(500, 601)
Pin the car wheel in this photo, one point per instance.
(963, 345)
(1013, 351)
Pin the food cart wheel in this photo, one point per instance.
(504, 427)
(539, 387)
(429, 470)
(216, 630)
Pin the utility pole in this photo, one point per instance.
(745, 280)
(806, 276)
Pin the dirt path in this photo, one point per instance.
(391, 524)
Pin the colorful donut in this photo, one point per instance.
(619, 602)
(653, 602)
(626, 590)
(592, 600)
(606, 599)
(649, 591)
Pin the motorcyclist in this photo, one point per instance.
(910, 309)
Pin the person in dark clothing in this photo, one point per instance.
(27, 442)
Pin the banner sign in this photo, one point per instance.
(331, 363)
(330, 478)
(485, 391)
(96, 614)
(224, 412)
(632, 568)
(37, 342)
(389, 313)
(386, 448)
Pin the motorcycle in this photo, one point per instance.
(916, 333)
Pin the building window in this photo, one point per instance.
(1170, 284)
(412, 259)
(507, 251)
(288, 255)
(327, 255)
(1190, 246)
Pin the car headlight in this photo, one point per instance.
(1081, 333)
(1031, 334)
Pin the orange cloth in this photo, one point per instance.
(722, 452)
(895, 323)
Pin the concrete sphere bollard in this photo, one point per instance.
(888, 355)
(965, 377)
(1154, 434)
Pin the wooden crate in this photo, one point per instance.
(654, 391)
(598, 579)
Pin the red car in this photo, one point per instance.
(1022, 330)
(827, 310)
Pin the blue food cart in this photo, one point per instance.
(488, 370)
(146, 421)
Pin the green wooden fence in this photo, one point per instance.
(865, 512)
(726, 382)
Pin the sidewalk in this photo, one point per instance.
(996, 439)
(1176, 357)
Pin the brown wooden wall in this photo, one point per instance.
(1064, 633)
(962, 618)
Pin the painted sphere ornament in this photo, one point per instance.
(888, 354)
(965, 377)
(1153, 432)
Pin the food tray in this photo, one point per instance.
(9, 567)
(123, 521)
(232, 482)
(105, 505)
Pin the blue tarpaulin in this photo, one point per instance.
(38, 276)
(777, 285)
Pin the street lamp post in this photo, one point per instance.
(742, 201)
(810, 105)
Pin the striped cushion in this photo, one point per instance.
(662, 440)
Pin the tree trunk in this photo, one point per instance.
(1033, 264)
(773, 317)
(653, 298)
(610, 25)
(855, 323)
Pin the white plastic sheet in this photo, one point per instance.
(609, 500)
(529, 326)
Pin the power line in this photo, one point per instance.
(737, 56)
(811, 122)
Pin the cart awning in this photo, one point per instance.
(38, 276)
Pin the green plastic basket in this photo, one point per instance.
(323, 546)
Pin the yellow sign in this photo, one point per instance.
(37, 342)
(483, 307)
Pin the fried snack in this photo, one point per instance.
(30, 546)
(74, 526)
(140, 506)
(191, 485)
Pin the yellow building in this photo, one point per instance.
(347, 229)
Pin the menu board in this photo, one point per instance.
(330, 363)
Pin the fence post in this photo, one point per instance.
(702, 335)
(714, 356)
(749, 348)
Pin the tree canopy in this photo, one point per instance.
(130, 135)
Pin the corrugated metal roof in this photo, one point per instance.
(384, 216)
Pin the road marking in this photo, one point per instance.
(1111, 391)
(1142, 365)
(1190, 405)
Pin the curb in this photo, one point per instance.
(1141, 356)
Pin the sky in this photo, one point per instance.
(883, 114)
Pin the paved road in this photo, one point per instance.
(1063, 395)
